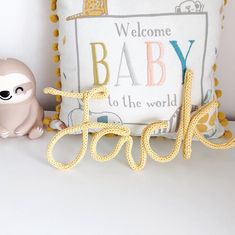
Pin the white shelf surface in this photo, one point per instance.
(181, 197)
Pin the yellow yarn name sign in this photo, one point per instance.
(187, 131)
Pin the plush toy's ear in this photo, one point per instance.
(178, 9)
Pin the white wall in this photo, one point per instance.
(26, 35)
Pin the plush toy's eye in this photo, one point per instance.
(19, 90)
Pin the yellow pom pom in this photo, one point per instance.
(56, 33)
(56, 116)
(204, 119)
(228, 134)
(46, 121)
(53, 5)
(202, 128)
(225, 2)
(214, 67)
(218, 93)
(58, 98)
(55, 46)
(57, 72)
(213, 119)
(216, 82)
(49, 129)
(221, 116)
(224, 122)
(58, 84)
(58, 108)
(54, 18)
(56, 58)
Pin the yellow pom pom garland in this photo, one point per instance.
(56, 58)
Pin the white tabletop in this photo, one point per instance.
(181, 197)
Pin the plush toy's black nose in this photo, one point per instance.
(5, 94)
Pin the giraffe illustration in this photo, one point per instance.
(94, 8)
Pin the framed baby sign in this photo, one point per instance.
(143, 82)
(141, 54)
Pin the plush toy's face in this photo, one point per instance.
(189, 6)
(15, 88)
